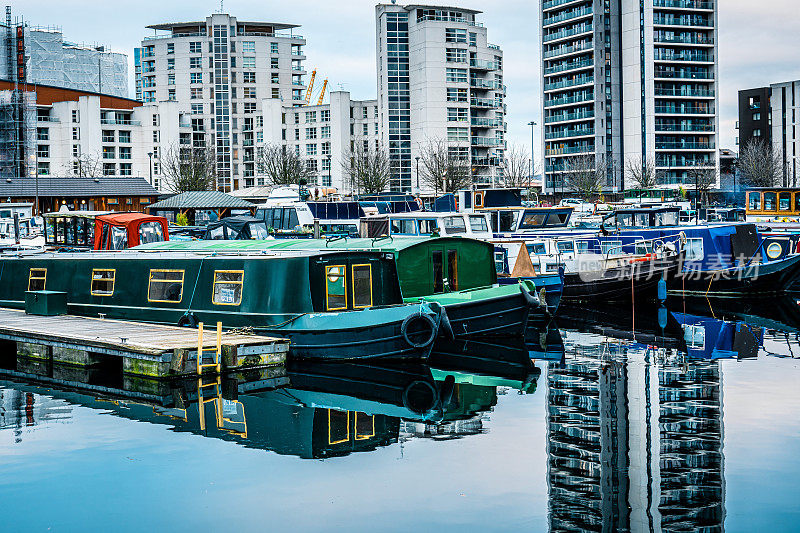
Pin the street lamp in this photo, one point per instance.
(330, 179)
(417, 158)
(533, 159)
(150, 156)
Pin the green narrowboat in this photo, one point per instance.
(331, 304)
(456, 273)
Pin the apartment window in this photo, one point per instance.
(43, 168)
(276, 92)
(311, 116)
(124, 152)
(456, 75)
(249, 107)
(108, 136)
(76, 134)
(156, 119)
(109, 169)
(273, 63)
(473, 39)
(326, 148)
(76, 116)
(249, 62)
(273, 48)
(248, 47)
(455, 35)
(458, 153)
(156, 136)
(195, 62)
(171, 63)
(76, 150)
(311, 165)
(376, 127)
(249, 92)
(456, 95)
(756, 116)
(456, 114)
(457, 134)
(757, 132)
(311, 149)
(124, 136)
(195, 47)
(196, 93)
(170, 48)
(195, 77)
(109, 152)
(248, 77)
(456, 55)
(326, 165)
(311, 133)
(171, 95)
(325, 115)
(365, 129)
(325, 132)
(42, 134)
(125, 169)
(155, 152)
(170, 79)
(42, 150)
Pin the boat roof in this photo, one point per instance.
(80, 214)
(297, 245)
(122, 219)
(178, 252)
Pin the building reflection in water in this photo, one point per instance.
(20, 410)
(634, 442)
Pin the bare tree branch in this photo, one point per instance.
(189, 168)
(585, 174)
(88, 166)
(517, 168)
(760, 164)
(642, 173)
(369, 170)
(444, 168)
(283, 167)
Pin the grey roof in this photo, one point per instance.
(76, 187)
(201, 200)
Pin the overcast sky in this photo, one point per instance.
(758, 41)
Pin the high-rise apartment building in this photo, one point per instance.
(220, 70)
(627, 82)
(439, 80)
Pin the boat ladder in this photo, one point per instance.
(215, 352)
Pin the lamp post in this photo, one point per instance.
(417, 158)
(150, 158)
(330, 179)
(533, 159)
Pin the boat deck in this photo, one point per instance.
(146, 349)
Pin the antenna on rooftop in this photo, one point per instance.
(222, 6)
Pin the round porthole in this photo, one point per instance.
(334, 273)
(774, 250)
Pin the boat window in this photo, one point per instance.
(452, 269)
(217, 234)
(402, 226)
(614, 247)
(478, 199)
(50, 230)
(642, 220)
(500, 261)
(335, 287)
(644, 248)
(293, 221)
(533, 219)
(151, 232)
(507, 221)
(558, 218)
(365, 426)
(103, 282)
(667, 218)
(478, 223)
(624, 219)
(454, 225)
(362, 286)
(165, 286)
(104, 237)
(119, 238)
(258, 230)
(228, 287)
(438, 271)
(427, 226)
(263, 214)
(80, 231)
(695, 336)
(276, 218)
(537, 248)
(785, 201)
(582, 247)
(37, 279)
(694, 250)
(754, 201)
(796, 202)
(338, 426)
(565, 247)
(770, 201)
(553, 267)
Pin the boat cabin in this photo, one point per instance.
(722, 214)
(426, 224)
(103, 230)
(24, 209)
(773, 204)
(643, 217)
(241, 227)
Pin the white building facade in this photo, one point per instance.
(784, 105)
(439, 80)
(220, 71)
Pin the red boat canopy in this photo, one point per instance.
(118, 231)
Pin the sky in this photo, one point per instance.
(758, 42)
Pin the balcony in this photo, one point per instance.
(567, 100)
(684, 4)
(480, 64)
(486, 103)
(684, 145)
(568, 32)
(567, 15)
(486, 141)
(564, 117)
(571, 49)
(572, 82)
(682, 92)
(569, 65)
(683, 110)
(489, 85)
(550, 4)
(683, 38)
(689, 128)
(112, 122)
(684, 74)
(567, 133)
(695, 56)
(481, 122)
(570, 150)
(661, 19)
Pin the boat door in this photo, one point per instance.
(443, 268)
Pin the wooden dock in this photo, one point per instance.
(145, 349)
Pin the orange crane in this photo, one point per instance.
(310, 86)
(322, 92)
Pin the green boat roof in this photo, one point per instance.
(390, 244)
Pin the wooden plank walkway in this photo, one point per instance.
(149, 343)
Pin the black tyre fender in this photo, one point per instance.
(409, 399)
(188, 320)
(425, 318)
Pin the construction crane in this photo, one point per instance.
(322, 92)
(310, 86)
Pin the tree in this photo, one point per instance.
(85, 165)
(759, 164)
(369, 170)
(703, 177)
(444, 168)
(283, 167)
(642, 173)
(189, 168)
(585, 174)
(517, 167)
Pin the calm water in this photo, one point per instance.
(691, 425)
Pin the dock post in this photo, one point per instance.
(219, 348)
(200, 349)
